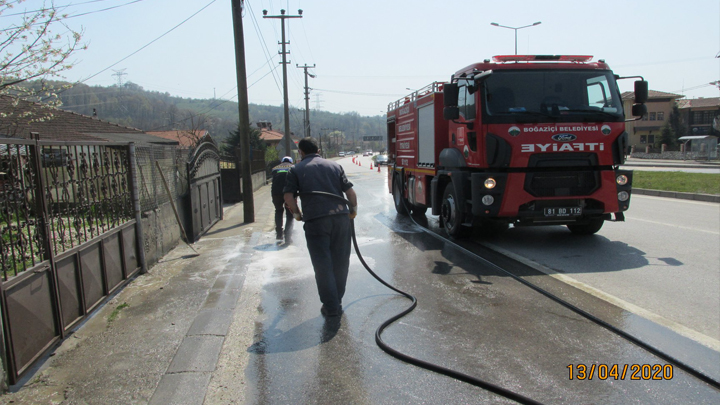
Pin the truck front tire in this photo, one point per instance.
(451, 213)
(587, 229)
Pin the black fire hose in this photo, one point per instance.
(412, 360)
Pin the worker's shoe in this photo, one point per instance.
(279, 235)
(330, 313)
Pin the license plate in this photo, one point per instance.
(562, 211)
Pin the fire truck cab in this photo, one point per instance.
(522, 140)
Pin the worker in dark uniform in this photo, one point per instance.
(279, 175)
(327, 220)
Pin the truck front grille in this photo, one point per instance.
(562, 175)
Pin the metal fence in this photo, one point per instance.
(69, 237)
(86, 193)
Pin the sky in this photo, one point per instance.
(370, 53)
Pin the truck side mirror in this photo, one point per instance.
(639, 110)
(641, 92)
(450, 94)
(451, 113)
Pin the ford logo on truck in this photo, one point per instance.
(564, 137)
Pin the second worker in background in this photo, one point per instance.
(279, 176)
(327, 220)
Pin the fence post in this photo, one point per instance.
(42, 206)
(135, 195)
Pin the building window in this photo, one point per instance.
(661, 116)
(651, 139)
(702, 117)
(645, 117)
(643, 138)
(652, 116)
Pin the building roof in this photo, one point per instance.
(271, 136)
(187, 139)
(652, 95)
(699, 102)
(19, 118)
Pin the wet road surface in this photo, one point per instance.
(470, 317)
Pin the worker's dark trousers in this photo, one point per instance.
(328, 240)
(279, 203)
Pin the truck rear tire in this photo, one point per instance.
(451, 213)
(587, 229)
(398, 199)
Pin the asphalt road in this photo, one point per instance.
(471, 318)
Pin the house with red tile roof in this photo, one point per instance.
(20, 118)
(187, 138)
(274, 139)
(647, 131)
(702, 115)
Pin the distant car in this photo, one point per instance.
(367, 153)
(341, 154)
(381, 160)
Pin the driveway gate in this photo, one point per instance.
(69, 237)
(205, 189)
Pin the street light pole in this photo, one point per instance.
(516, 30)
(284, 62)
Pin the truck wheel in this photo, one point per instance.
(451, 213)
(587, 229)
(419, 210)
(398, 199)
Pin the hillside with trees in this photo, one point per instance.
(131, 105)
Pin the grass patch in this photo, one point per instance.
(703, 183)
(116, 312)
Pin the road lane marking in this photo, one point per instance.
(618, 302)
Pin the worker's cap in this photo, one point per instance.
(286, 159)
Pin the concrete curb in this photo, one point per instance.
(679, 195)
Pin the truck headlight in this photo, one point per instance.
(488, 200)
(622, 180)
(490, 183)
(623, 196)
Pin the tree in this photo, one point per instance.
(674, 128)
(667, 135)
(232, 142)
(30, 50)
(676, 123)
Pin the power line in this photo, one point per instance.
(149, 43)
(357, 93)
(266, 51)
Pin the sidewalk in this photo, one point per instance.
(677, 164)
(160, 339)
(704, 164)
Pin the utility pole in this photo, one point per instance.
(244, 117)
(284, 62)
(307, 96)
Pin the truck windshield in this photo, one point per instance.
(557, 95)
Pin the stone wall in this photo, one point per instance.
(161, 232)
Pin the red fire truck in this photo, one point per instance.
(522, 140)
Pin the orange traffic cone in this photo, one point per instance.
(370, 166)
(378, 168)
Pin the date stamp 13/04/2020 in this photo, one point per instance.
(639, 372)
